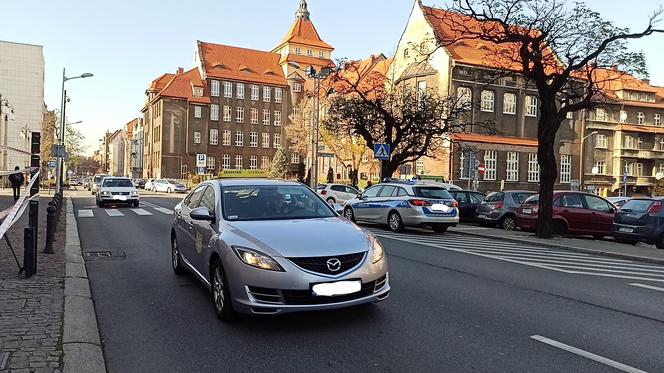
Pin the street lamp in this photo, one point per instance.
(61, 139)
(317, 76)
(7, 116)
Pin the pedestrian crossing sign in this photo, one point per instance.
(382, 152)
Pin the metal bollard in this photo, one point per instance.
(51, 221)
(29, 253)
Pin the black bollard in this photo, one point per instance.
(29, 254)
(51, 221)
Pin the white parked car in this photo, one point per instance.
(114, 190)
(168, 186)
(149, 184)
(337, 193)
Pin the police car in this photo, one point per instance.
(405, 203)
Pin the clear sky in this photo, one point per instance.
(126, 43)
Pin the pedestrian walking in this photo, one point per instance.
(17, 180)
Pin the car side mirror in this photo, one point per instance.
(202, 213)
(338, 209)
(612, 210)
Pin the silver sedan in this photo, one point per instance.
(268, 247)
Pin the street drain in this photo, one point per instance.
(4, 359)
(99, 255)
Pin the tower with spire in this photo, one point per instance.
(302, 12)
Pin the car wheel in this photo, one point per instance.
(330, 201)
(660, 242)
(559, 228)
(394, 222)
(220, 293)
(598, 236)
(508, 223)
(176, 259)
(439, 228)
(348, 214)
(136, 204)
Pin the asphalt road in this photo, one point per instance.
(457, 305)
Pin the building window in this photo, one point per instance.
(310, 52)
(661, 168)
(197, 137)
(298, 50)
(277, 140)
(419, 166)
(277, 117)
(210, 163)
(659, 144)
(238, 162)
(639, 169)
(198, 112)
(629, 142)
(295, 158)
(214, 88)
(214, 112)
(227, 113)
(657, 119)
(253, 139)
(228, 89)
(239, 138)
(531, 106)
(265, 143)
(512, 166)
(464, 95)
(254, 116)
(421, 93)
(278, 95)
(321, 54)
(640, 118)
(570, 115)
(623, 116)
(297, 87)
(602, 141)
(533, 168)
(214, 137)
(600, 115)
(600, 166)
(198, 91)
(265, 163)
(254, 92)
(226, 139)
(266, 117)
(487, 101)
(490, 158)
(239, 91)
(509, 103)
(565, 169)
(629, 168)
(266, 94)
(253, 162)
(405, 53)
(239, 115)
(225, 162)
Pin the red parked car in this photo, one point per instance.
(574, 213)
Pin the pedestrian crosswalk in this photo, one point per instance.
(150, 209)
(531, 255)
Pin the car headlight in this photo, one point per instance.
(377, 249)
(257, 259)
(105, 193)
(134, 193)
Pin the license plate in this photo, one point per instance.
(332, 289)
(481, 216)
(440, 207)
(527, 211)
(626, 230)
(120, 198)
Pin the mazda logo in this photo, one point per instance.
(334, 264)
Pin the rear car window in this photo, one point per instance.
(570, 201)
(387, 191)
(459, 196)
(432, 192)
(597, 204)
(338, 188)
(495, 197)
(637, 205)
(400, 192)
(532, 200)
(321, 186)
(372, 192)
(476, 197)
(520, 197)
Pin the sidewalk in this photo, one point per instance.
(607, 247)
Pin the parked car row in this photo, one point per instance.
(164, 185)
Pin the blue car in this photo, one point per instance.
(640, 220)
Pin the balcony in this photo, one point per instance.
(645, 180)
(642, 154)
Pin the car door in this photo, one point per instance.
(384, 203)
(350, 193)
(205, 230)
(601, 214)
(366, 203)
(185, 224)
(465, 209)
(572, 209)
(475, 200)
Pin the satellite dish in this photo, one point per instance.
(595, 170)
(659, 176)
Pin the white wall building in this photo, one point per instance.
(22, 84)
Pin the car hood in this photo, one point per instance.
(305, 237)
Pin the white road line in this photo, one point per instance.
(159, 208)
(648, 287)
(612, 270)
(588, 355)
(85, 214)
(114, 213)
(582, 261)
(141, 212)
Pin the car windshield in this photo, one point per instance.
(117, 183)
(271, 202)
(172, 181)
(432, 192)
(98, 178)
(637, 205)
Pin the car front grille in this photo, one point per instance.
(306, 297)
(120, 193)
(318, 264)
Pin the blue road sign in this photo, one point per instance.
(51, 164)
(382, 152)
(201, 170)
(624, 178)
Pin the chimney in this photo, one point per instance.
(180, 70)
(614, 67)
(647, 81)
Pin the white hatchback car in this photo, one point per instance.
(337, 193)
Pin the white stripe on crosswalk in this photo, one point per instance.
(648, 287)
(85, 214)
(114, 212)
(141, 212)
(159, 208)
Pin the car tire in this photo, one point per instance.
(330, 201)
(394, 222)
(221, 296)
(508, 223)
(349, 214)
(176, 258)
(558, 228)
(660, 242)
(100, 204)
(439, 228)
(598, 236)
(136, 204)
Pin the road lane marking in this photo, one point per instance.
(141, 212)
(85, 214)
(159, 208)
(648, 287)
(114, 213)
(587, 355)
(584, 262)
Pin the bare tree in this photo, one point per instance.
(562, 49)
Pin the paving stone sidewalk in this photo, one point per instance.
(31, 310)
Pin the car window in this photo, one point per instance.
(351, 190)
(432, 192)
(400, 192)
(637, 205)
(372, 192)
(117, 183)
(192, 200)
(321, 186)
(386, 191)
(338, 188)
(597, 204)
(208, 199)
(571, 200)
(495, 197)
(476, 197)
(534, 200)
(520, 197)
(460, 196)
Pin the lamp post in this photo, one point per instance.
(5, 116)
(317, 76)
(61, 137)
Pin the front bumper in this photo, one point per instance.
(119, 199)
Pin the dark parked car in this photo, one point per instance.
(139, 183)
(468, 201)
(573, 212)
(499, 208)
(640, 219)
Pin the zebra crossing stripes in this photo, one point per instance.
(114, 212)
(141, 212)
(159, 208)
(85, 214)
(533, 256)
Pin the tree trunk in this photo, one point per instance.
(387, 169)
(546, 158)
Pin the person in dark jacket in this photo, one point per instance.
(17, 180)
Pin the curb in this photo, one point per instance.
(566, 248)
(80, 337)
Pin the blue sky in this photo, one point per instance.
(126, 44)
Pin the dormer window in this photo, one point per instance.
(198, 92)
(321, 54)
(298, 50)
(310, 52)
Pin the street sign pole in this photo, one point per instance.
(382, 152)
